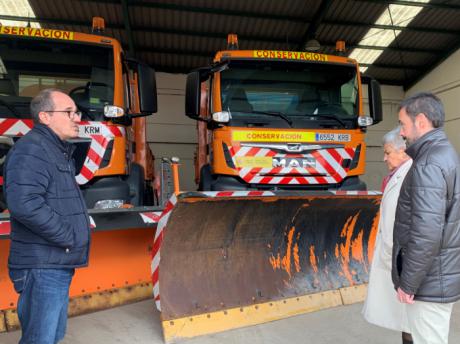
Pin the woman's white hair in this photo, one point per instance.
(395, 139)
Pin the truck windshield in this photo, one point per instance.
(82, 70)
(326, 94)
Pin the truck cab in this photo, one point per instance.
(113, 92)
(280, 120)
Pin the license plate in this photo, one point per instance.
(333, 137)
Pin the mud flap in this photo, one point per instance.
(233, 261)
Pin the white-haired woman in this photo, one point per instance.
(382, 307)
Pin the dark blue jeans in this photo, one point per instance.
(43, 302)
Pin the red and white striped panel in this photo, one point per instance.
(155, 265)
(15, 127)
(151, 216)
(328, 163)
(355, 193)
(100, 134)
(92, 224)
(238, 193)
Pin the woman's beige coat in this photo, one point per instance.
(381, 306)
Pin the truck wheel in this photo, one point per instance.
(205, 178)
(136, 184)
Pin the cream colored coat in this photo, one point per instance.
(381, 307)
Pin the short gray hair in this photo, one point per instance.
(426, 103)
(394, 138)
(43, 101)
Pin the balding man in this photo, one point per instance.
(50, 231)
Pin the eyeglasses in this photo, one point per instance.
(72, 114)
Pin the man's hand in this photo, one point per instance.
(405, 298)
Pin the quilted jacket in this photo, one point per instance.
(49, 220)
(426, 238)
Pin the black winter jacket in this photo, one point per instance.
(426, 238)
(49, 221)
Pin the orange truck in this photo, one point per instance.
(272, 120)
(113, 161)
(283, 224)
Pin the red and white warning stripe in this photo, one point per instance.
(151, 216)
(155, 265)
(92, 224)
(355, 193)
(237, 193)
(327, 170)
(93, 160)
(100, 134)
(15, 127)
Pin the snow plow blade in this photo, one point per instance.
(229, 261)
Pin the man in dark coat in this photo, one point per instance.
(50, 231)
(426, 238)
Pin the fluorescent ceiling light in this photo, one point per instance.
(398, 15)
(19, 8)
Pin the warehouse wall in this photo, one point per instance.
(444, 81)
(171, 133)
(375, 167)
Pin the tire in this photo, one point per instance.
(205, 179)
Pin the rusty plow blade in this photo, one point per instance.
(229, 262)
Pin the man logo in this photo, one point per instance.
(294, 162)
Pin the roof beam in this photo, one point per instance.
(388, 48)
(389, 66)
(57, 21)
(314, 26)
(392, 27)
(393, 82)
(195, 9)
(127, 23)
(283, 40)
(146, 49)
(439, 6)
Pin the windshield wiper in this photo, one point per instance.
(328, 117)
(274, 114)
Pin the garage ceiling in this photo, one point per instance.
(177, 36)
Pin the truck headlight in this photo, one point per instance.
(112, 111)
(222, 117)
(365, 121)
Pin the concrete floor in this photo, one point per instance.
(140, 323)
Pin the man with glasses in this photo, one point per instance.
(50, 230)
